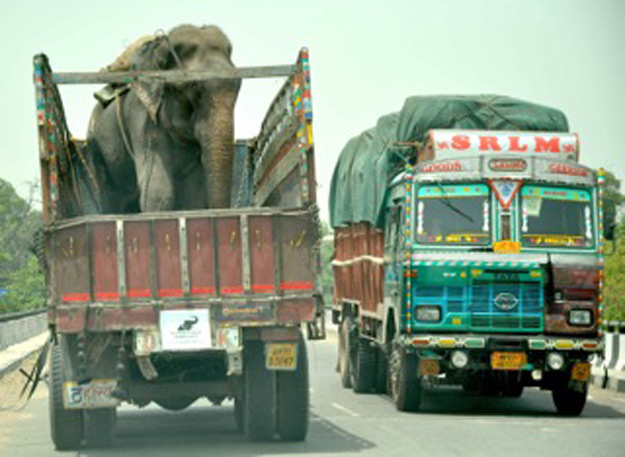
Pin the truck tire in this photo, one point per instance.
(260, 394)
(363, 369)
(345, 368)
(381, 381)
(511, 386)
(66, 425)
(238, 413)
(569, 402)
(404, 381)
(293, 399)
(100, 426)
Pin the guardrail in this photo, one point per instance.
(18, 327)
(609, 371)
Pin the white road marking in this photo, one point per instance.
(345, 410)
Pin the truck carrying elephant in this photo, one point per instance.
(165, 146)
(188, 299)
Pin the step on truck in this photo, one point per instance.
(174, 306)
(468, 250)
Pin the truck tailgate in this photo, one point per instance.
(253, 265)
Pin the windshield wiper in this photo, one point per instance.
(450, 205)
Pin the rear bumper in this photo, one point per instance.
(102, 317)
(500, 342)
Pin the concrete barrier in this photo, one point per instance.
(18, 330)
(609, 371)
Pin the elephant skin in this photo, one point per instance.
(163, 147)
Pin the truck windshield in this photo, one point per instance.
(453, 214)
(556, 217)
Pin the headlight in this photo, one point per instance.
(459, 359)
(555, 361)
(580, 317)
(429, 313)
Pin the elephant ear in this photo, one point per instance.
(151, 55)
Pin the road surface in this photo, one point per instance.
(451, 423)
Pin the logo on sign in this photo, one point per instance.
(507, 165)
(506, 301)
(187, 324)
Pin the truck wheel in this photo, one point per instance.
(344, 352)
(216, 400)
(381, 375)
(66, 425)
(293, 399)
(363, 371)
(100, 426)
(404, 381)
(512, 387)
(238, 413)
(569, 402)
(259, 412)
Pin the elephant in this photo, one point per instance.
(160, 146)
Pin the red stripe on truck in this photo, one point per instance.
(232, 290)
(107, 296)
(262, 288)
(76, 297)
(170, 292)
(202, 290)
(139, 293)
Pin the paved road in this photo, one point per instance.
(342, 423)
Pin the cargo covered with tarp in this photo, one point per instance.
(369, 161)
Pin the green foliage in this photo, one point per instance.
(614, 287)
(20, 277)
(327, 250)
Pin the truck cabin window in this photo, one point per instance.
(453, 214)
(556, 217)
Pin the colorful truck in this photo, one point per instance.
(173, 306)
(468, 251)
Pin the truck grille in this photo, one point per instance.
(507, 305)
(451, 298)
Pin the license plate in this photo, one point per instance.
(185, 330)
(428, 367)
(281, 356)
(95, 394)
(581, 371)
(508, 360)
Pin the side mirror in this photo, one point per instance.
(609, 225)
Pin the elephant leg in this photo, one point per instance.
(155, 182)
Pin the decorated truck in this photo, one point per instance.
(169, 307)
(468, 251)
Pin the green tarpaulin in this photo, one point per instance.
(368, 161)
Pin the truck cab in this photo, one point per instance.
(494, 249)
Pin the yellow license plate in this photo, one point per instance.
(428, 367)
(281, 356)
(508, 360)
(507, 247)
(581, 371)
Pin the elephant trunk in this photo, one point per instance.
(214, 129)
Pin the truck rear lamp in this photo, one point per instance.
(411, 273)
(428, 313)
(555, 361)
(581, 317)
(459, 359)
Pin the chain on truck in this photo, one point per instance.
(487, 271)
(174, 306)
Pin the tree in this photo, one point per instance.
(21, 281)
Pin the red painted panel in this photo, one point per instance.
(137, 247)
(167, 246)
(229, 241)
(261, 254)
(201, 256)
(105, 262)
(296, 311)
(69, 263)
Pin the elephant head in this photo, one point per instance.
(197, 115)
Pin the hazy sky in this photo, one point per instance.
(366, 58)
